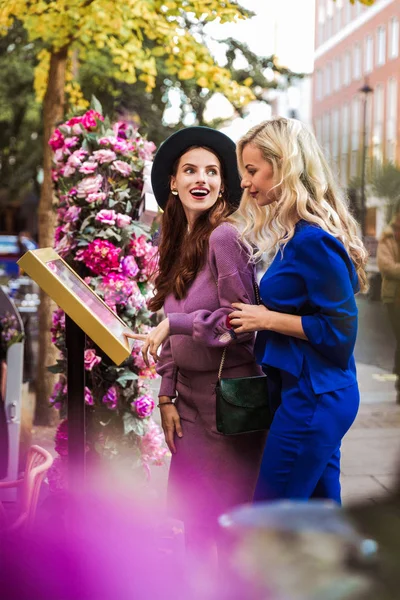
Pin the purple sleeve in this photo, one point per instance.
(235, 282)
(167, 368)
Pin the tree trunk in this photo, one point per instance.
(53, 112)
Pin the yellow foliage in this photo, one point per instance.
(122, 27)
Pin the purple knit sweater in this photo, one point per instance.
(199, 328)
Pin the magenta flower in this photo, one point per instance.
(111, 398)
(123, 220)
(61, 438)
(91, 359)
(57, 140)
(106, 216)
(88, 397)
(73, 121)
(122, 167)
(100, 256)
(89, 119)
(88, 167)
(129, 266)
(89, 185)
(143, 406)
(104, 156)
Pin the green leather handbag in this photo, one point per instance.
(242, 402)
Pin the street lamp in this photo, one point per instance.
(365, 90)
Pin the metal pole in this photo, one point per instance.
(365, 90)
(75, 342)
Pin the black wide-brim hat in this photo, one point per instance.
(178, 143)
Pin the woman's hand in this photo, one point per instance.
(170, 422)
(249, 317)
(152, 341)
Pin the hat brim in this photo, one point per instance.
(175, 146)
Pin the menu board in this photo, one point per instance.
(78, 301)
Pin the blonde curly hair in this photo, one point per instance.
(306, 190)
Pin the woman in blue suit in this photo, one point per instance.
(293, 211)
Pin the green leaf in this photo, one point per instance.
(59, 367)
(95, 104)
(128, 207)
(133, 424)
(123, 379)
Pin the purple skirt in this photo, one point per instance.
(210, 472)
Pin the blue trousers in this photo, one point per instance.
(301, 459)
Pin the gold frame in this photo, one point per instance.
(34, 264)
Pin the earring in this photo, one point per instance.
(174, 192)
(220, 194)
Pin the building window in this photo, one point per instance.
(355, 136)
(394, 38)
(357, 62)
(369, 54)
(380, 46)
(347, 14)
(318, 84)
(326, 134)
(336, 74)
(318, 130)
(345, 145)
(335, 139)
(347, 68)
(328, 79)
(391, 120)
(377, 137)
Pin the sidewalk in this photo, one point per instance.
(371, 449)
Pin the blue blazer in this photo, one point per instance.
(314, 278)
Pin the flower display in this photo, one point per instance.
(9, 332)
(98, 177)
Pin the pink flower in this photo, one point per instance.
(107, 141)
(70, 142)
(120, 129)
(58, 234)
(123, 147)
(59, 155)
(117, 288)
(104, 156)
(57, 140)
(143, 406)
(106, 216)
(152, 445)
(89, 119)
(88, 397)
(122, 167)
(72, 214)
(100, 197)
(67, 171)
(91, 359)
(76, 158)
(123, 220)
(89, 185)
(147, 150)
(129, 266)
(111, 398)
(88, 167)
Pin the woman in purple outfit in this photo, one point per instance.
(203, 269)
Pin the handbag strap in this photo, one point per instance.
(258, 301)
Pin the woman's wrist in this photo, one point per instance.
(268, 320)
(165, 400)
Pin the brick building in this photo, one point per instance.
(355, 44)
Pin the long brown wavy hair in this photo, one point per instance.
(183, 254)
